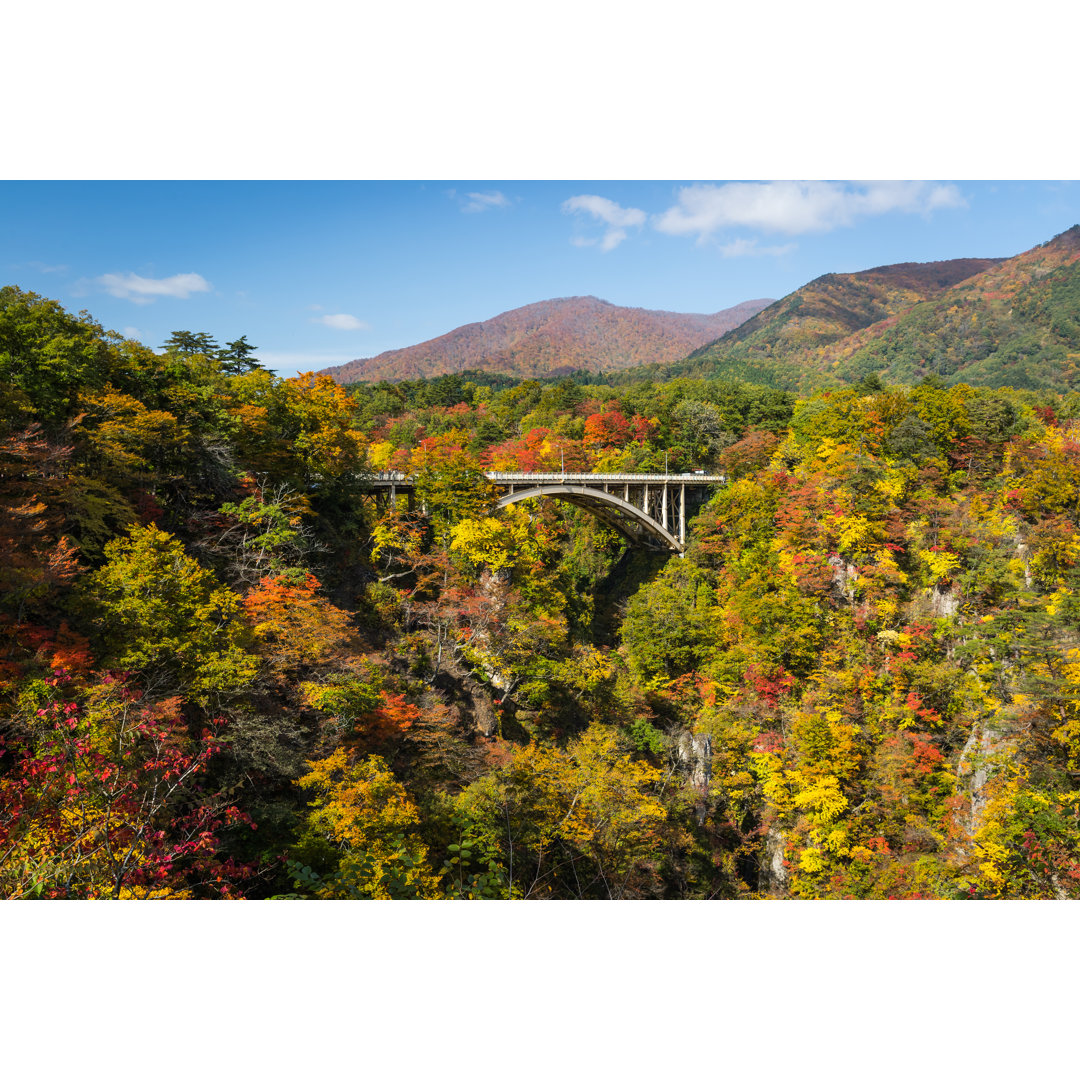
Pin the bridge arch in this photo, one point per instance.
(630, 520)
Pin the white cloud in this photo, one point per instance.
(341, 322)
(617, 218)
(796, 206)
(131, 332)
(484, 200)
(743, 245)
(42, 268)
(141, 290)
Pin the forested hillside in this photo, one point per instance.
(1015, 324)
(774, 347)
(988, 322)
(553, 337)
(224, 672)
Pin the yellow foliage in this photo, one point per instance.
(613, 461)
(361, 808)
(886, 610)
(125, 435)
(885, 562)
(826, 744)
(836, 841)
(941, 564)
(892, 483)
(776, 782)
(489, 541)
(591, 795)
(587, 670)
(823, 800)
(1068, 735)
(297, 428)
(380, 453)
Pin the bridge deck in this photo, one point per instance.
(582, 479)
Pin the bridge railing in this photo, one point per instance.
(584, 478)
(608, 478)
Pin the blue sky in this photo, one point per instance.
(317, 273)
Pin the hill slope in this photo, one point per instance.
(1014, 324)
(778, 345)
(552, 337)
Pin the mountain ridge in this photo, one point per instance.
(1016, 323)
(550, 337)
(823, 311)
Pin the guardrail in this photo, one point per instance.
(564, 477)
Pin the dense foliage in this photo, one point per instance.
(226, 671)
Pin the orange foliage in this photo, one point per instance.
(294, 627)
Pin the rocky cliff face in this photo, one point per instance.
(693, 754)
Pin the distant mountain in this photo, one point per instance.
(783, 344)
(551, 338)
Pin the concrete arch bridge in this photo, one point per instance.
(649, 509)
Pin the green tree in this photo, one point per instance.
(236, 358)
(583, 822)
(188, 343)
(50, 355)
(671, 624)
(164, 616)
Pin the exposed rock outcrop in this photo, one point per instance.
(693, 755)
(773, 877)
(844, 576)
(944, 600)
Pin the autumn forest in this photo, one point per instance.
(228, 671)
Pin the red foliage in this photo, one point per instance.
(751, 453)
(916, 705)
(927, 756)
(538, 451)
(272, 591)
(1045, 414)
(768, 742)
(608, 430)
(96, 811)
(769, 688)
(435, 449)
(812, 572)
(148, 508)
(523, 455)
